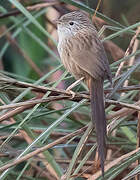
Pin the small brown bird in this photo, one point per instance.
(83, 55)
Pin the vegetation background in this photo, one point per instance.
(44, 132)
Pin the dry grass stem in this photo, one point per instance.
(114, 163)
(39, 150)
(30, 8)
(128, 51)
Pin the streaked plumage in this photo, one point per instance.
(83, 55)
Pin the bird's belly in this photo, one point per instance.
(70, 63)
(74, 69)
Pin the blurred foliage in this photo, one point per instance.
(28, 53)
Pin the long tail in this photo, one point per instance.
(98, 116)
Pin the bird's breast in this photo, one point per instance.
(65, 51)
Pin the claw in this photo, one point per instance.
(73, 94)
(72, 86)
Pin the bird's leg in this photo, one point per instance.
(73, 85)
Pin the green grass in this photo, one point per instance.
(42, 124)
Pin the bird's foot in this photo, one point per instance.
(71, 92)
(72, 86)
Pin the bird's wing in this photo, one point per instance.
(89, 54)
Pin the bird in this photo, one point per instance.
(83, 55)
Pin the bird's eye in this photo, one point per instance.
(71, 23)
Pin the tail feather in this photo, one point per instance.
(98, 116)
